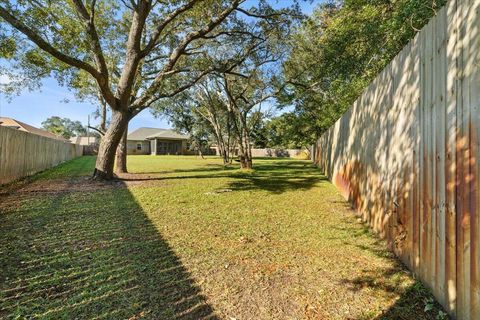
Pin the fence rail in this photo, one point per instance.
(407, 156)
(23, 154)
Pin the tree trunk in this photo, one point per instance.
(103, 112)
(245, 147)
(226, 158)
(221, 145)
(108, 145)
(248, 150)
(221, 151)
(249, 163)
(200, 153)
(121, 154)
(245, 161)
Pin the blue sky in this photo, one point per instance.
(35, 107)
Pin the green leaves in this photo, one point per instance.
(64, 127)
(340, 49)
(8, 47)
(36, 58)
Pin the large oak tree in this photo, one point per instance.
(136, 52)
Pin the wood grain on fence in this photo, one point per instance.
(23, 153)
(407, 156)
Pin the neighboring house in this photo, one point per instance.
(15, 124)
(89, 144)
(157, 141)
(84, 141)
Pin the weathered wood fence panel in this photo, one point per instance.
(23, 154)
(407, 156)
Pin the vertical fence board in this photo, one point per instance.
(453, 94)
(440, 105)
(474, 45)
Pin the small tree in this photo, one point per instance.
(287, 130)
(244, 93)
(258, 131)
(199, 142)
(210, 107)
(64, 127)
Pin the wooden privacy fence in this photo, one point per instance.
(406, 155)
(23, 154)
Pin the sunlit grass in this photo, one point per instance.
(187, 238)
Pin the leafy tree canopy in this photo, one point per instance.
(284, 131)
(93, 46)
(341, 48)
(64, 127)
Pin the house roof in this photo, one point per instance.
(169, 134)
(151, 133)
(12, 123)
(84, 141)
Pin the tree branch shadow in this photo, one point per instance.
(275, 177)
(411, 299)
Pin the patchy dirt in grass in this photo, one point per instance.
(16, 193)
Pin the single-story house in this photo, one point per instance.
(157, 141)
(89, 144)
(22, 126)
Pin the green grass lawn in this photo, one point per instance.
(186, 238)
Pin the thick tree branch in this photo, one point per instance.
(89, 21)
(168, 19)
(102, 133)
(69, 60)
(127, 78)
(179, 51)
(44, 45)
(181, 88)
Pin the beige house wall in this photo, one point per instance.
(132, 147)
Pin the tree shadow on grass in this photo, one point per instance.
(275, 177)
(90, 255)
(278, 177)
(412, 300)
(412, 304)
(209, 167)
(391, 281)
(276, 185)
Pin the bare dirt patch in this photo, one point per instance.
(16, 193)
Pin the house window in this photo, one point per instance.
(139, 146)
